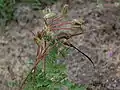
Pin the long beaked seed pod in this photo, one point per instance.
(71, 45)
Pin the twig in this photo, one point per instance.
(36, 63)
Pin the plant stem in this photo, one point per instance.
(61, 24)
(61, 29)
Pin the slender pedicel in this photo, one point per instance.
(61, 24)
(58, 18)
(53, 29)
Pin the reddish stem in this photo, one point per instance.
(34, 67)
(38, 60)
(57, 19)
(39, 57)
(38, 50)
(60, 24)
(41, 49)
(61, 29)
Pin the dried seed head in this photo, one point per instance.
(77, 22)
(46, 11)
(50, 15)
(64, 11)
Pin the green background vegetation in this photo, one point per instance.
(7, 8)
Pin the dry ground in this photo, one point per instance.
(101, 43)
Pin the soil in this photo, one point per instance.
(101, 42)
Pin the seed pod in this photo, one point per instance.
(46, 11)
(64, 11)
(77, 22)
